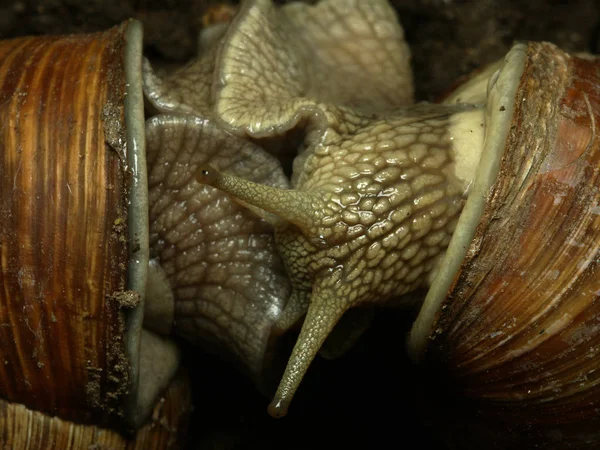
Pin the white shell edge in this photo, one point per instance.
(499, 112)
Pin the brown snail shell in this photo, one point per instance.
(25, 429)
(74, 237)
(514, 325)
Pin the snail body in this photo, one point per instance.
(464, 145)
(365, 233)
(377, 188)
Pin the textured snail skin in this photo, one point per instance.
(225, 282)
(225, 275)
(375, 190)
(374, 233)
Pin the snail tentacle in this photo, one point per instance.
(289, 204)
(325, 310)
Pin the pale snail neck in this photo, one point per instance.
(466, 132)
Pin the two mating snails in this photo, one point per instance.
(482, 198)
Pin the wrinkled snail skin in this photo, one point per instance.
(376, 194)
(206, 113)
(524, 143)
(377, 187)
(223, 279)
(374, 234)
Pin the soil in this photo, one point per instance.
(449, 39)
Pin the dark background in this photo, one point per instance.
(373, 397)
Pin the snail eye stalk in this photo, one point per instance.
(298, 207)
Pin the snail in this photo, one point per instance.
(387, 197)
(382, 195)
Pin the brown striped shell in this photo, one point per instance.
(73, 243)
(513, 323)
(26, 429)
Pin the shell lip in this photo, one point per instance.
(138, 250)
(148, 380)
(499, 112)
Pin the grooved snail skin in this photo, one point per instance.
(488, 199)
